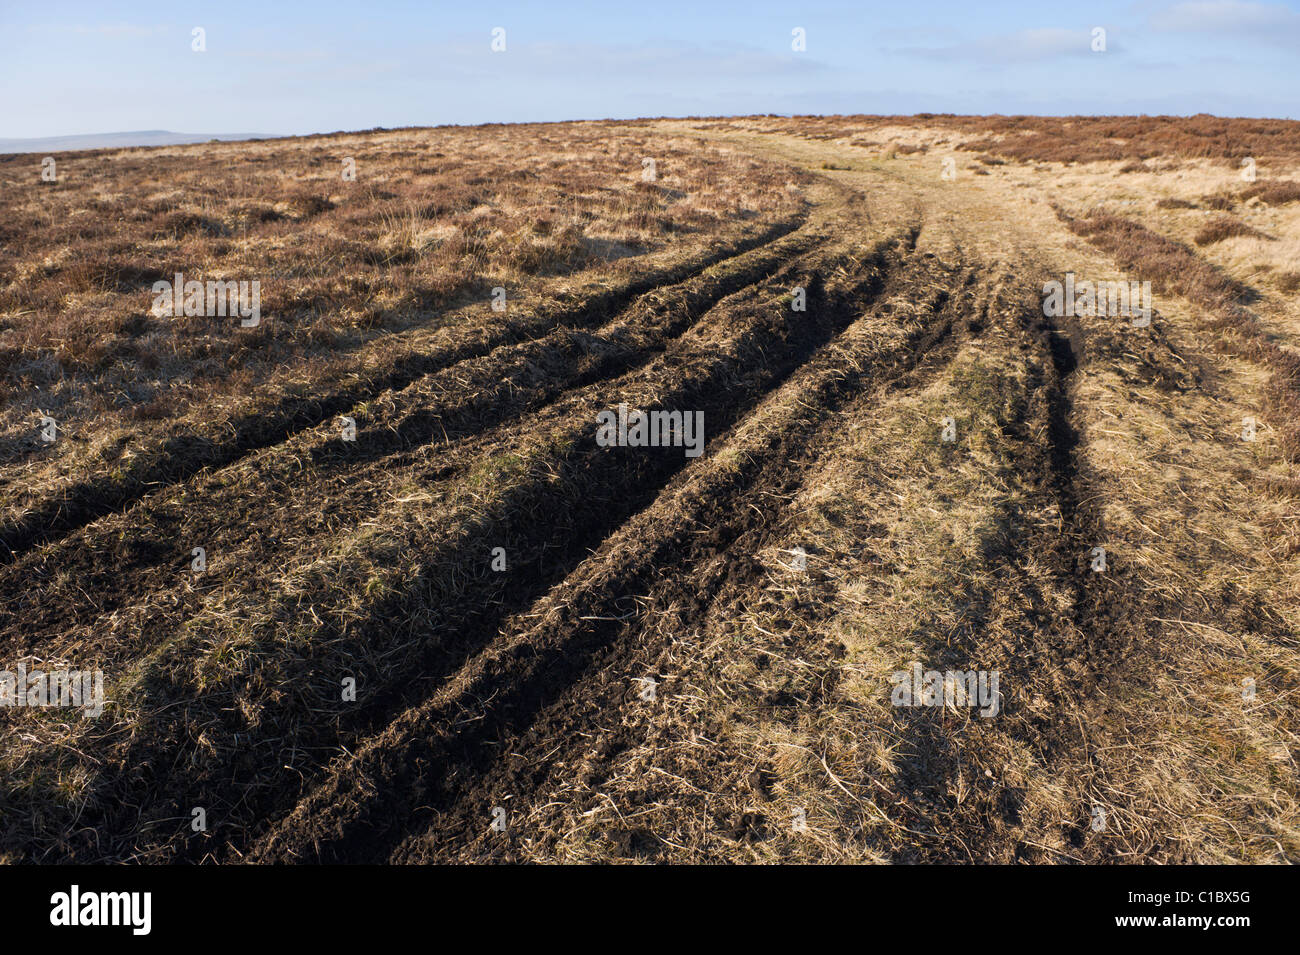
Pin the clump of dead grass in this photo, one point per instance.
(1226, 227)
(1274, 192)
(1175, 268)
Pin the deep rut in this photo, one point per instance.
(755, 355)
(481, 690)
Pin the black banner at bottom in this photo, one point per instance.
(335, 904)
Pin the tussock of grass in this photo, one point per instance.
(1226, 227)
(1174, 268)
(1274, 192)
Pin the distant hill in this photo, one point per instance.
(145, 137)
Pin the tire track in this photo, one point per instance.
(440, 756)
(184, 455)
(118, 565)
(1056, 664)
(704, 588)
(721, 370)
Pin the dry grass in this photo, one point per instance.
(1174, 268)
(1225, 227)
(1066, 139)
(434, 219)
(1169, 265)
(1121, 691)
(1274, 192)
(364, 283)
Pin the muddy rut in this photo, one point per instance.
(531, 623)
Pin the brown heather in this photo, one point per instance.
(828, 537)
(1274, 192)
(1174, 268)
(434, 220)
(1226, 227)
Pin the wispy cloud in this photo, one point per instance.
(1023, 46)
(644, 62)
(1271, 22)
(102, 29)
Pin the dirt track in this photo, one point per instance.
(524, 690)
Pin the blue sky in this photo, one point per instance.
(77, 67)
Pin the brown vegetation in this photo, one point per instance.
(1225, 227)
(1275, 192)
(432, 220)
(1074, 139)
(1173, 267)
(634, 654)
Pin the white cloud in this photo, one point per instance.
(653, 61)
(1269, 21)
(121, 29)
(1024, 46)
